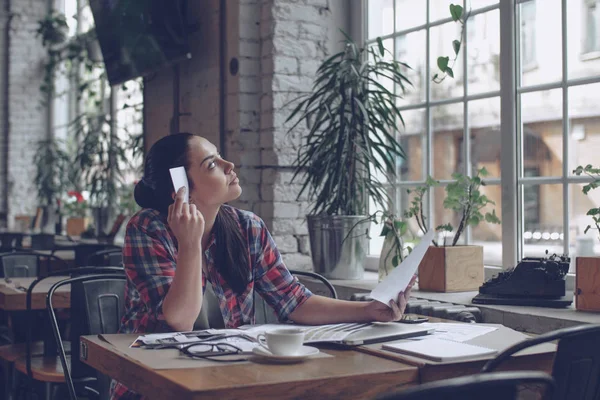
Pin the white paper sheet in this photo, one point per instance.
(400, 277)
(179, 179)
(455, 332)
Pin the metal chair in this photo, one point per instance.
(109, 257)
(576, 367)
(103, 308)
(10, 241)
(330, 292)
(83, 251)
(493, 386)
(46, 370)
(264, 314)
(20, 264)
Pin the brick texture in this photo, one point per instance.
(282, 43)
(3, 83)
(27, 117)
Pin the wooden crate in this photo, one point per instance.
(587, 283)
(451, 269)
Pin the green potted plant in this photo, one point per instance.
(51, 177)
(352, 119)
(448, 267)
(587, 268)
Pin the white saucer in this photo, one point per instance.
(303, 354)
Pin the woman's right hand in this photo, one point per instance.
(186, 221)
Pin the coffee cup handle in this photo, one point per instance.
(262, 341)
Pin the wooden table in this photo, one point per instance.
(348, 374)
(13, 295)
(362, 373)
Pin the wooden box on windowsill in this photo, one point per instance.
(451, 269)
(587, 283)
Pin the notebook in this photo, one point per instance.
(440, 350)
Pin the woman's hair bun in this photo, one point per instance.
(144, 194)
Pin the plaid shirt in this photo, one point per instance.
(150, 260)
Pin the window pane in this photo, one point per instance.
(483, 52)
(380, 18)
(584, 122)
(70, 10)
(440, 9)
(447, 130)
(484, 125)
(583, 244)
(412, 138)
(441, 38)
(410, 13)
(490, 235)
(475, 4)
(410, 49)
(539, 26)
(542, 220)
(584, 35)
(87, 20)
(542, 132)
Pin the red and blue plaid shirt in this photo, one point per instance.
(150, 260)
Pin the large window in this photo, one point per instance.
(457, 126)
(84, 104)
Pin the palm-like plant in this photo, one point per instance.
(352, 119)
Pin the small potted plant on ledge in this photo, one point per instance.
(587, 268)
(76, 210)
(448, 267)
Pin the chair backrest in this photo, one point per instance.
(576, 367)
(19, 264)
(10, 241)
(317, 283)
(100, 308)
(109, 257)
(42, 241)
(96, 308)
(83, 251)
(493, 386)
(29, 264)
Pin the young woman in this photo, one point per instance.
(172, 249)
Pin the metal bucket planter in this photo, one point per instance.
(338, 245)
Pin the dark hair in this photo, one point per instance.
(155, 190)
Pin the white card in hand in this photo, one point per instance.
(400, 277)
(179, 179)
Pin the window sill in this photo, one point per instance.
(592, 55)
(527, 319)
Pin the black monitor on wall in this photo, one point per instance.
(138, 37)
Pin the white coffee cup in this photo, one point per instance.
(283, 341)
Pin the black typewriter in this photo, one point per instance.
(535, 281)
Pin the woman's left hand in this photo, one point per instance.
(380, 312)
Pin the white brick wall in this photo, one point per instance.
(282, 43)
(3, 22)
(27, 117)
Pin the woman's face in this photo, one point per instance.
(214, 181)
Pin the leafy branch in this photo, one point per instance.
(594, 212)
(443, 62)
(464, 197)
(416, 208)
(352, 119)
